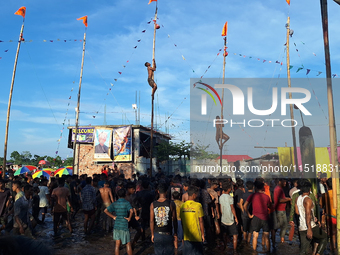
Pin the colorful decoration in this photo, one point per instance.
(40, 173)
(225, 29)
(84, 19)
(21, 11)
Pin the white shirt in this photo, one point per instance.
(302, 212)
(42, 195)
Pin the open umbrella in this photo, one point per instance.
(31, 168)
(42, 173)
(22, 170)
(44, 162)
(62, 171)
(67, 168)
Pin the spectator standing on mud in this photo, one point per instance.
(44, 196)
(246, 221)
(88, 196)
(163, 219)
(107, 198)
(123, 210)
(193, 224)
(60, 198)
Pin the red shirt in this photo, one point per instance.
(278, 194)
(260, 202)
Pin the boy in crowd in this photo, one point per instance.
(44, 196)
(228, 219)
(260, 217)
(162, 218)
(121, 233)
(246, 221)
(179, 238)
(192, 224)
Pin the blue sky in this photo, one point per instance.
(47, 71)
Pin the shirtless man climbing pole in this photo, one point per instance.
(219, 131)
(151, 82)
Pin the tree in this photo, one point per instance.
(171, 150)
(16, 157)
(200, 152)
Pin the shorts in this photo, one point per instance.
(257, 224)
(151, 82)
(90, 212)
(230, 230)
(122, 235)
(43, 209)
(179, 230)
(246, 223)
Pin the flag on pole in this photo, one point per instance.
(84, 19)
(152, 1)
(225, 29)
(21, 11)
(288, 2)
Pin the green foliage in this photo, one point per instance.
(201, 152)
(171, 150)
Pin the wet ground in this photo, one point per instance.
(100, 242)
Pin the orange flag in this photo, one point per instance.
(152, 1)
(288, 2)
(225, 29)
(21, 11)
(84, 19)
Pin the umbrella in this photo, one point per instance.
(67, 168)
(22, 170)
(62, 171)
(42, 173)
(43, 162)
(48, 169)
(31, 168)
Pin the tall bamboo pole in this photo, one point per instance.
(331, 118)
(152, 98)
(10, 97)
(290, 97)
(223, 77)
(76, 165)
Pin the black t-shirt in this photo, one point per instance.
(163, 216)
(245, 197)
(144, 198)
(4, 196)
(237, 197)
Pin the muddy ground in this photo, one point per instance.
(100, 242)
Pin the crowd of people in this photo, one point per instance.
(182, 213)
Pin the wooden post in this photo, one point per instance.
(221, 134)
(152, 98)
(10, 98)
(76, 169)
(331, 118)
(290, 97)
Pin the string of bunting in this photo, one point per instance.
(44, 40)
(63, 124)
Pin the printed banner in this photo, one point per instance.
(122, 144)
(102, 144)
(85, 135)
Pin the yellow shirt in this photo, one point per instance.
(178, 208)
(190, 213)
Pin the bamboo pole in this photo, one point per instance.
(223, 77)
(10, 97)
(331, 117)
(290, 97)
(152, 98)
(76, 165)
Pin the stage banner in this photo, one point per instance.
(85, 135)
(122, 144)
(102, 144)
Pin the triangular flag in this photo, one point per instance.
(225, 29)
(21, 11)
(308, 70)
(152, 1)
(84, 19)
(288, 2)
(290, 67)
(299, 69)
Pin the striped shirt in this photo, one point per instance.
(121, 207)
(88, 196)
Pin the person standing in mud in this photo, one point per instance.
(107, 198)
(151, 70)
(60, 198)
(89, 199)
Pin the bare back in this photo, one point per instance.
(106, 195)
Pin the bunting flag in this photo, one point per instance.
(84, 19)
(44, 40)
(21, 11)
(152, 1)
(288, 2)
(225, 29)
